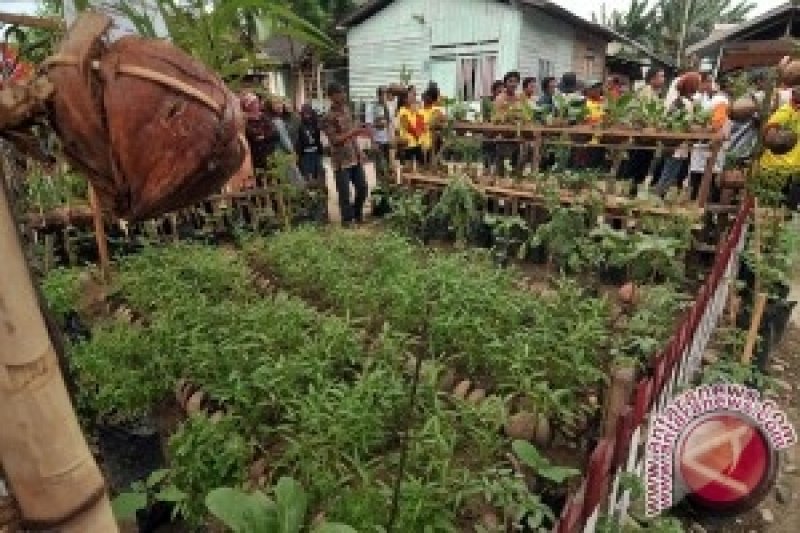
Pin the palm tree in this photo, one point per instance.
(685, 22)
(668, 27)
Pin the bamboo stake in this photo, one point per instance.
(44, 456)
(755, 324)
(46, 23)
(619, 394)
(100, 234)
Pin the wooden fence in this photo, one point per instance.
(670, 370)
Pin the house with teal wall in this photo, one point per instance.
(464, 45)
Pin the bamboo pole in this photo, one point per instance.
(45, 23)
(100, 234)
(755, 324)
(620, 390)
(43, 454)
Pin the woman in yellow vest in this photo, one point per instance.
(411, 127)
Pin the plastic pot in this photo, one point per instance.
(130, 452)
(613, 275)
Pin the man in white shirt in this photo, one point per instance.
(382, 120)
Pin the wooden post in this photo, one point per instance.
(100, 234)
(708, 174)
(619, 394)
(755, 324)
(44, 456)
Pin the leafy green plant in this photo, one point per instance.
(618, 110)
(567, 237)
(255, 512)
(409, 214)
(530, 456)
(509, 235)
(138, 496)
(460, 205)
(204, 454)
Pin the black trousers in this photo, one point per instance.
(413, 154)
(344, 177)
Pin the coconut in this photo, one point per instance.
(476, 396)
(195, 403)
(743, 109)
(462, 389)
(521, 426)
(627, 293)
(789, 70)
(780, 141)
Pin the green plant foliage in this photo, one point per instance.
(460, 206)
(409, 215)
(61, 288)
(530, 456)
(43, 190)
(204, 454)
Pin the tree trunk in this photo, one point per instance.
(46, 461)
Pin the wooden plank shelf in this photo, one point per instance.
(615, 205)
(533, 130)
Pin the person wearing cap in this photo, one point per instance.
(346, 157)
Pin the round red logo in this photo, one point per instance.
(725, 462)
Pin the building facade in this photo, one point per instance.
(464, 45)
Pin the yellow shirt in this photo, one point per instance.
(596, 112)
(416, 120)
(429, 115)
(786, 115)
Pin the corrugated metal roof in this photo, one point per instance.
(715, 39)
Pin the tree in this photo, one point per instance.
(668, 27)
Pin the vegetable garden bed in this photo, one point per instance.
(309, 375)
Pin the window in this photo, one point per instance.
(474, 76)
(545, 68)
(588, 66)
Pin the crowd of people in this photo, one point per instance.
(401, 121)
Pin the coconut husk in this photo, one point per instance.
(780, 141)
(743, 109)
(153, 128)
(789, 71)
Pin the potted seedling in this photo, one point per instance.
(459, 208)
(733, 175)
(618, 116)
(509, 236)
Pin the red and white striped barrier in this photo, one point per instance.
(672, 370)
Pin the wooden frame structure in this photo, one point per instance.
(616, 140)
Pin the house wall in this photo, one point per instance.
(428, 37)
(589, 45)
(382, 45)
(544, 41)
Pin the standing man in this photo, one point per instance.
(507, 98)
(640, 161)
(346, 156)
(529, 90)
(381, 118)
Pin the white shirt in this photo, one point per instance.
(701, 152)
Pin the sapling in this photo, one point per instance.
(460, 205)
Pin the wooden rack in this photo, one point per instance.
(616, 140)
